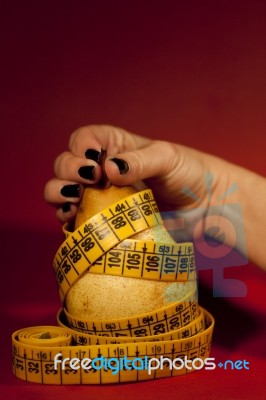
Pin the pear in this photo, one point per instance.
(101, 297)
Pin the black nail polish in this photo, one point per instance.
(92, 154)
(70, 191)
(122, 165)
(66, 207)
(87, 172)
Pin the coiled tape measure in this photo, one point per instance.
(102, 245)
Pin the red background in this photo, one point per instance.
(191, 72)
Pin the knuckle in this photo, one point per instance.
(136, 165)
(67, 168)
(171, 151)
(164, 146)
(57, 163)
(77, 136)
(63, 165)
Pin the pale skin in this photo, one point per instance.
(166, 168)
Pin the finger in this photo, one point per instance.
(157, 160)
(67, 212)
(95, 137)
(57, 192)
(81, 170)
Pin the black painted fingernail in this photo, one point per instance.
(70, 191)
(122, 165)
(87, 172)
(66, 207)
(92, 154)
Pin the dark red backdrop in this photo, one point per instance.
(191, 72)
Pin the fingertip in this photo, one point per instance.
(121, 164)
(93, 154)
(118, 171)
(66, 212)
(72, 191)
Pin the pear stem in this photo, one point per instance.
(104, 182)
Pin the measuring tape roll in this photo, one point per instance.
(80, 351)
(34, 359)
(81, 336)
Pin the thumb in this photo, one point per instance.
(157, 160)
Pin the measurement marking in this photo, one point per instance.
(123, 260)
(113, 229)
(72, 265)
(111, 211)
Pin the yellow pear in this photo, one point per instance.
(101, 297)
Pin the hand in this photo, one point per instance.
(165, 167)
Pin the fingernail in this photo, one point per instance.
(122, 165)
(92, 154)
(66, 207)
(70, 191)
(87, 172)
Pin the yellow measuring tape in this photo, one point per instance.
(80, 351)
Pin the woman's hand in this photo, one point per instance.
(166, 167)
(176, 174)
